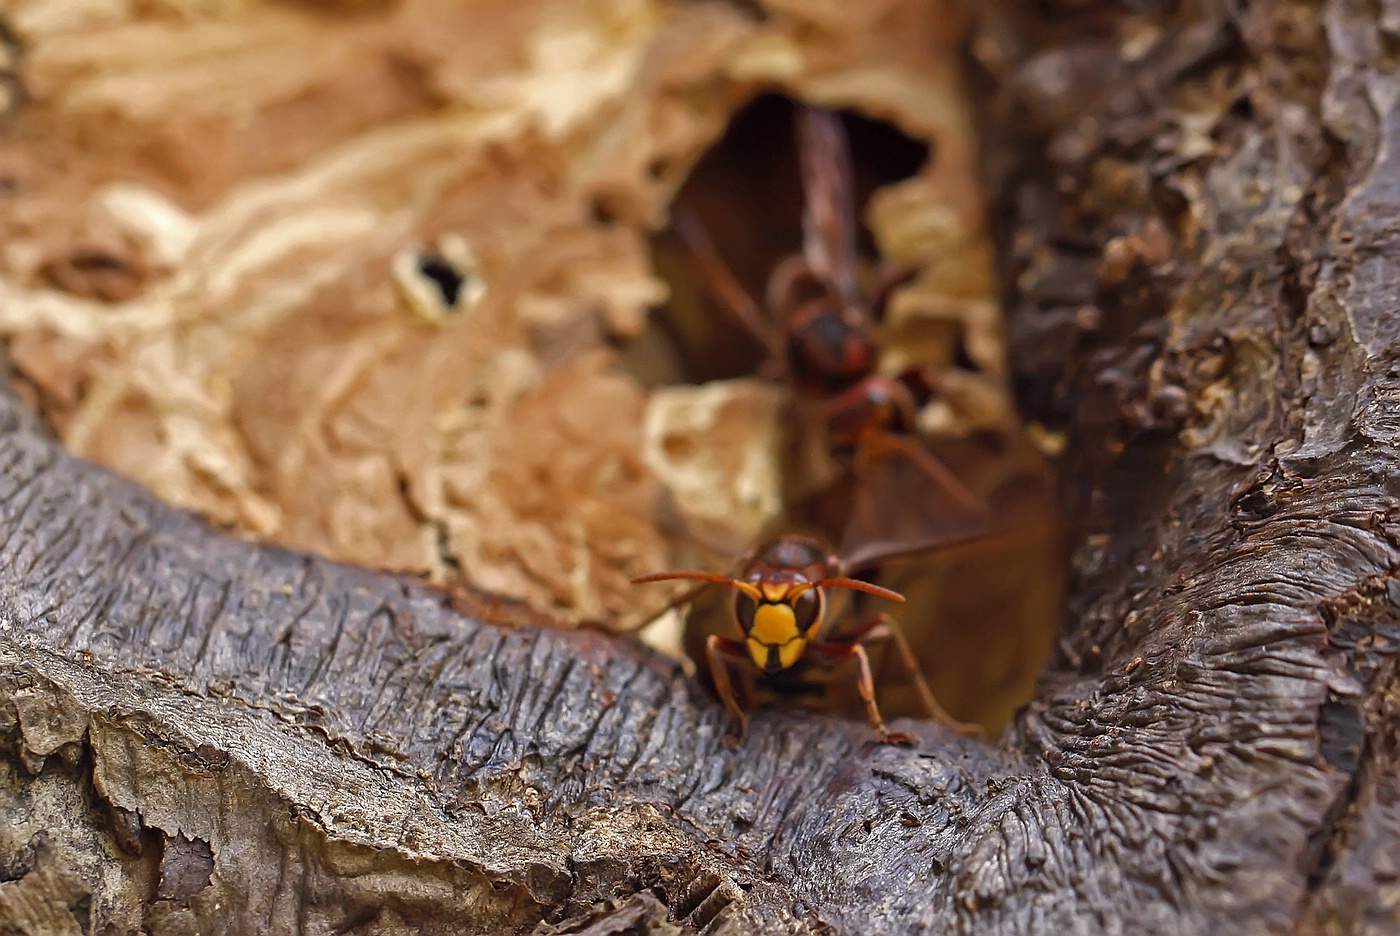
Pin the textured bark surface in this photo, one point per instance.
(201, 735)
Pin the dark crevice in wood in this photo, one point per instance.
(1214, 752)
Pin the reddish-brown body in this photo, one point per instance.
(779, 606)
(821, 326)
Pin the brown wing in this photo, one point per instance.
(829, 217)
(897, 510)
(719, 281)
(875, 552)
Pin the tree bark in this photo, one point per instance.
(199, 734)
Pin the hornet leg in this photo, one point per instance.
(865, 683)
(720, 651)
(884, 627)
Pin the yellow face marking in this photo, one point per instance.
(790, 652)
(750, 590)
(758, 652)
(782, 592)
(774, 624)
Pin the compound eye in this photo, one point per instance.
(744, 608)
(806, 608)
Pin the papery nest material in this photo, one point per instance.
(241, 344)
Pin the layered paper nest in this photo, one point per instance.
(353, 277)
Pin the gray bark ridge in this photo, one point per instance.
(205, 735)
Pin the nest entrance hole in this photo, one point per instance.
(747, 195)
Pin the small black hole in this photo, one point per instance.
(449, 282)
(604, 211)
